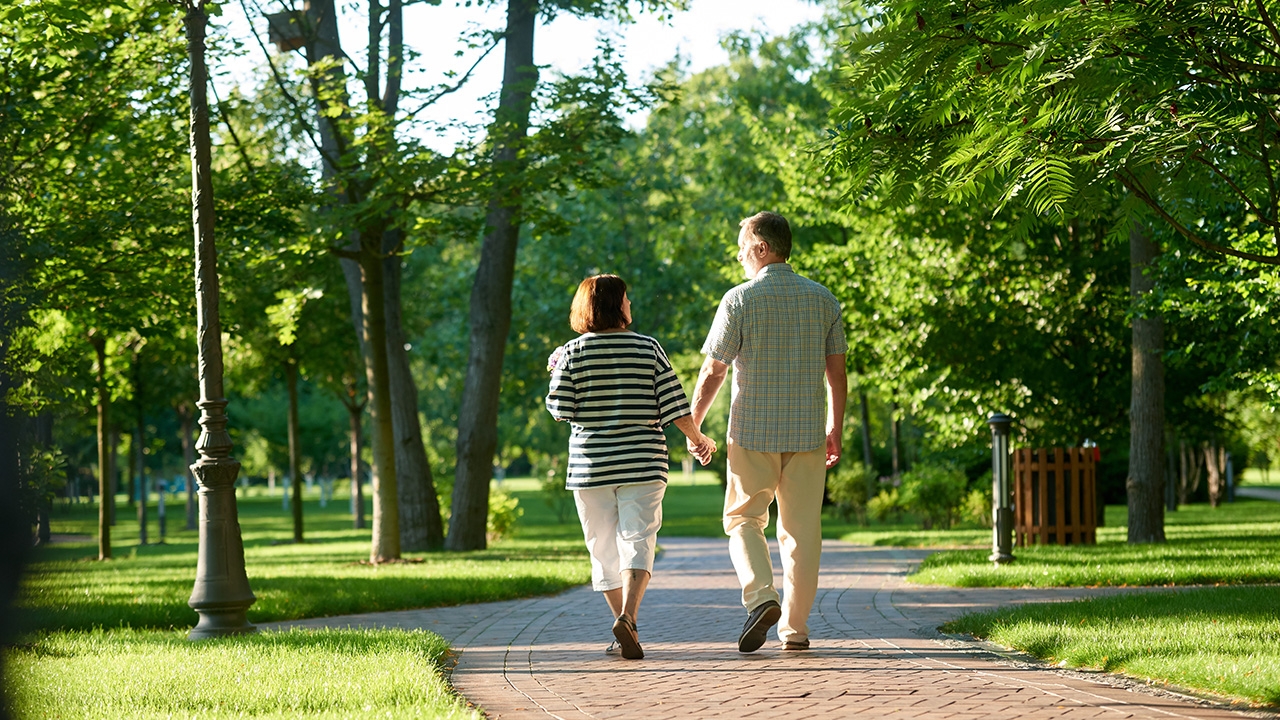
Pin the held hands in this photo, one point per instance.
(701, 447)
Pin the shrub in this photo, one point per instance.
(885, 504)
(504, 511)
(977, 506)
(550, 472)
(848, 485)
(935, 492)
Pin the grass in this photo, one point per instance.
(158, 674)
(1235, 543)
(1219, 641)
(148, 586)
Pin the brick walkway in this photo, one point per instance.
(875, 652)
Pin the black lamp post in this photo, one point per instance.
(221, 594)
(1001, 497)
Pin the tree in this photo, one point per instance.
(87, 183)
(1053, 105)
(371, 174)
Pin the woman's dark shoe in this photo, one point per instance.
(756, 629)
(624, 629)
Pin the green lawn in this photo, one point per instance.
(1234, 543)
(155, 674)
(148, 586)
(1223, 641)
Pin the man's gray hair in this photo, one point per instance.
(772, 229)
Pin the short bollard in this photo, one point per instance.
(1002, 507)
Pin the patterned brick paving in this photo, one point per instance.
(874, 654)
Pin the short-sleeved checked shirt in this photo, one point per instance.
(777, 331)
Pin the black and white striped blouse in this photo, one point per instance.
(617, 390)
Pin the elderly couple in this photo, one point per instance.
(783, 335)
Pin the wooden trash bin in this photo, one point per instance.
(1055, 496)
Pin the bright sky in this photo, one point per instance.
(567, 44)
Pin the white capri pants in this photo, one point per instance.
(620, 524)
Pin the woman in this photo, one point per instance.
(617, 389)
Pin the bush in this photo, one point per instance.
(935, 492)
(848, 485)
(885, 504)
(550, 472)
(504, 511)
(977, 506)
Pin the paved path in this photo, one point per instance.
(1259, 493)
(875, 652)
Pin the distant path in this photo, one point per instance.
(1259, 493)
(875, 654)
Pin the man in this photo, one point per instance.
(782, 334)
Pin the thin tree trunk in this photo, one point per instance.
(420, 524)
(44, 436)
(1215, 461)
(189, 459)
(386, 516)
(113, 466)
(868, 458)
(354, 414)
(1146, 411)
(894, 431)
(140, 439)
(491, 292)
(295, 459)
(106, 493)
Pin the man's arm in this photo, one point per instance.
(710, 378)
(838, 387)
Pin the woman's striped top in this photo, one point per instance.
(617, 391)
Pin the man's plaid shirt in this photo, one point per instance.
(777, 331)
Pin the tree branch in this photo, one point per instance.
(1132, 184)
(462, 81)
(284, 89)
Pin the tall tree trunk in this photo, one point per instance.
(44, 436)
(420, 524)
(186, 413)
(867, 458)
(106, 491)
(386, 516)
(355, 412)
(894, 440)
(491, 292)
(295, 459)
(1146, 410)
(361, 266)
(113, 467)
(1215, 461)
(139, 443)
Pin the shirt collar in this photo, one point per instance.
(778, 267)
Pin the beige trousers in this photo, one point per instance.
(796, 480)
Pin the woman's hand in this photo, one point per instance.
(701, 447)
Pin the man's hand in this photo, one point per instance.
(833, 448)
(702, 450)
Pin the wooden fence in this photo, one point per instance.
(1054, 496)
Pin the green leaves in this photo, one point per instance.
(1045, 103)
(284, 315)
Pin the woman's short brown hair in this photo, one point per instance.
(598, 304)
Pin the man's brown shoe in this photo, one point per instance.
(795, 645)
